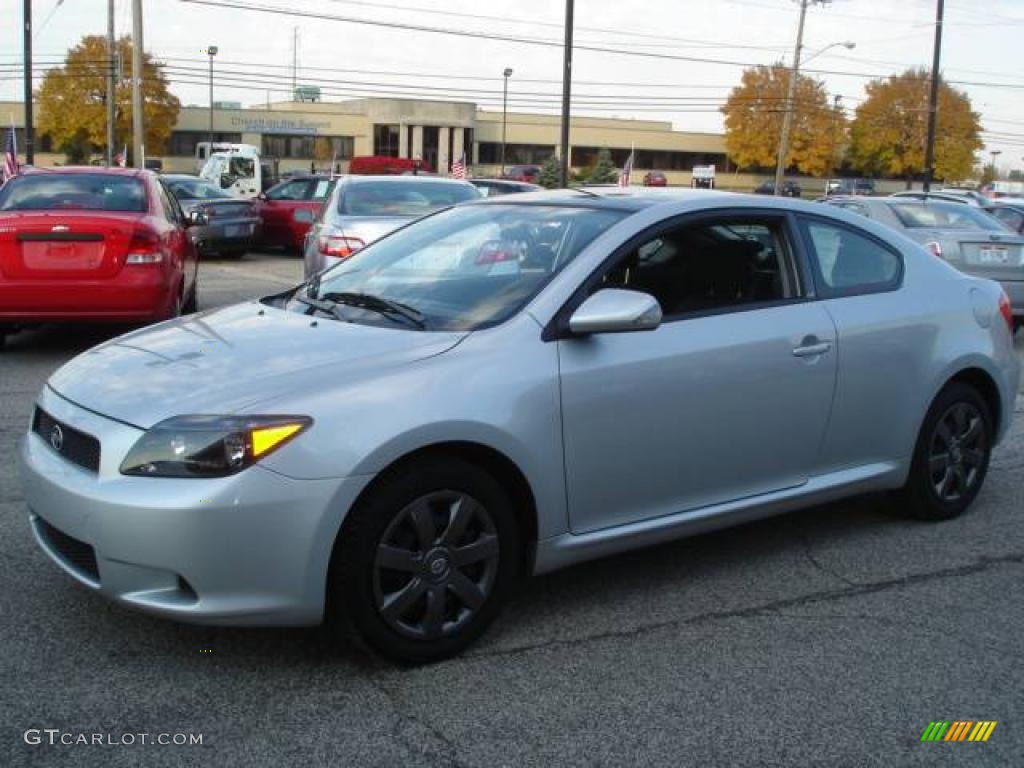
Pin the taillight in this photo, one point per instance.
(144, 248)
(338, 246)
(1006, 310)
(935, 247)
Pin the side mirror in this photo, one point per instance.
(197, 219)
(614, 310)
(226, 181)
(262, 196)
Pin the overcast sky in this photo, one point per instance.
(981, 46)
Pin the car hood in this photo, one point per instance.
(229, 360)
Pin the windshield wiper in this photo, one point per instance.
(386, 307)
(328, 307)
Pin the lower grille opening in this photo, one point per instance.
(78, 555)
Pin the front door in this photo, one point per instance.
(728, 398)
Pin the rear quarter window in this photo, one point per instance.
(849, 262)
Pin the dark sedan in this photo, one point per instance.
(789, 189)
(232, 224)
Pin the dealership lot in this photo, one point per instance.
(830, 636)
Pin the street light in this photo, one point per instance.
(995, 153)
(504, 116)
(212, 51)
(787, 116)
(836, 109)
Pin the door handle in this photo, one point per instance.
(813, 350)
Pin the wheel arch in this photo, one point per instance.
(498, 464)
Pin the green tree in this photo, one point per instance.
(72, 99)
(550, 175)
(889, 131)
(604, 170)
(753, 121)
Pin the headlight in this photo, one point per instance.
(209, 446)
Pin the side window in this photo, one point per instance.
(714, 265)
(1011, 218)
(851, 263)
(320, 189)
(292, 190)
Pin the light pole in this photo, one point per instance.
(790, 105)
(504, 116)
(832, 152)
(995, 153)
(212, 51)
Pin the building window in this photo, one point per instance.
(386, 140)
(649, 159)
(307, 147)
(515, 154)
(183, 143)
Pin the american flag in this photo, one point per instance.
(121, 158)
(459, 167)
(627, 171)
(10, 156)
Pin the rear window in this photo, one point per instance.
(80, 191)
(390, 198)
(195, 189)
(933, 215)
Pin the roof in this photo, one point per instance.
(611, 198)
(402, 179)
(95, 169)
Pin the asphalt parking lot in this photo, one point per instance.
(827, 637)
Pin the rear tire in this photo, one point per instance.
(191, 304)
(425, 562)
(951, 456)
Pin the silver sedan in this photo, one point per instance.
(364, 208)
(970, 239)
(510, 387)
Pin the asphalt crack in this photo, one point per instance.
(820, 566)
(772, 607)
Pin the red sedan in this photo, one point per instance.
(93, 244)
(287, 210)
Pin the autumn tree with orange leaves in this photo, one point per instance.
(72, 99)
(888, 134)
(753, 122)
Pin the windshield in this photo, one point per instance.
(195, 189)
(395, 198)
(934, 215)
(468, 268)
(84, 191)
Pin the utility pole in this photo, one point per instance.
(30, 143)
(832, 150)
(211, 51)
(790, 107)
(111, 81)
(933, 100)
(566, 91)
(138, 135)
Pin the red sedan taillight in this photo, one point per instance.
(144, 248)
(338, 246)
(934, 247)
(1006, 310)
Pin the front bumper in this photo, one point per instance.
(250, 549)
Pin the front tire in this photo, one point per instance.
(425, 562)
(951, 456)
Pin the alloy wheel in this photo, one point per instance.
(436, 565)
(956, 458)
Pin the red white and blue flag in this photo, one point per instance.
(10, 156)
(627, 170)
(459, 167)
(121, 158)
